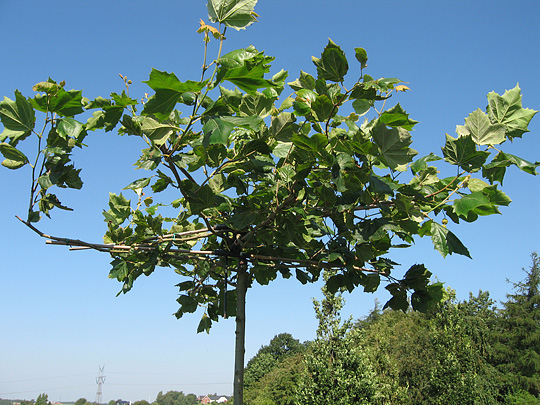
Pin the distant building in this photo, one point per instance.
(208, 399)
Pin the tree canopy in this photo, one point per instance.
(267, 177)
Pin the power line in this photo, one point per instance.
(43, 378)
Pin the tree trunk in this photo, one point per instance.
(241, 288)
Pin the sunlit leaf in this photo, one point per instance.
(18, 118)
(482, 131)
(237, 14)
(332, 65)
(507, 109)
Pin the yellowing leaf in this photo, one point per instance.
(401, 87)
(208, 29)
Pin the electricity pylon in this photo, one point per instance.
(100, 380)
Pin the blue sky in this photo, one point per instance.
(59, 314)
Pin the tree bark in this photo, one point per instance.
(241, 289)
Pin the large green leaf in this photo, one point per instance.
(462, 151)
(18, 118)
(446, 242)
(482, 131)
(470, 202)
(64, 103)
(169, 91)
(14, 157)
(237, 14)
(314, 143)
(496, 170)
(397, 117)
(332, 65)
(246, 68)
(157, 132)
(305, 81)
(393, 145)
(217, 131)
(507, 110)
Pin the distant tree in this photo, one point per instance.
(142, 402)
(278, 386)
(268, 357)
(517, 351)
(42, 399)
(83, 401)
(175, 398)
(112, 402)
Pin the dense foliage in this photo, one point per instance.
(266, 177)
(466, 352)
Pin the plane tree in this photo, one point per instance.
(269, 177)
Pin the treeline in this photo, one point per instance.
(468, 352)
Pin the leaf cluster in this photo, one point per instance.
(273, 177)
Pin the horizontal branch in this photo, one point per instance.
(76, 244)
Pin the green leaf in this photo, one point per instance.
(417, 277)
(162, 103)
(69, 128)
(217, 131)
(205, 324)
(157, 132)
(18, 118)
(305, 81)
(470, 202)
(361, 56)
(397, 117)
(482, 131)
(302, 276)
(160, 80)
(246, 68)
(371, 282)
(203, 198)
(495, 196)
(323, 108)
(424, 299)
(462, 151)
(422, 163)
(256, 105)
(393, 145)
(362, 106)
(507, 110)
(169, 91)
(138, 184)
(399, 298)
(14, 157)
(64, 103)
(495, 170)
(446, 242)
(317, 142)
(283, 127)
(237, 14)
(332, 65)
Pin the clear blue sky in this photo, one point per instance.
(59, 317)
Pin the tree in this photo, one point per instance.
(337, 370)
(279, 385)
(42, 399)
(438, 357)
(175, 398)
(517, 350)
(84, 401)
(269, 356)
(262, 188)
